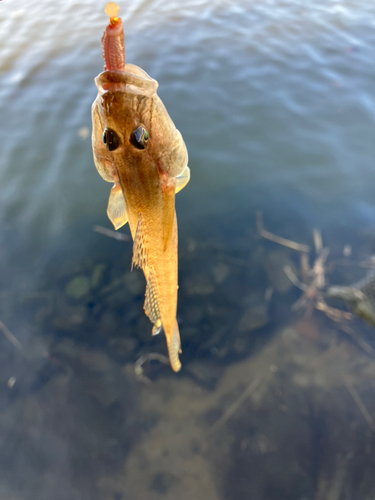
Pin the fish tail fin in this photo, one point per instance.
(174, 348)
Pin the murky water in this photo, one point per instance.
(275, 100)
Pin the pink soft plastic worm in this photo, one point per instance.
(113, 45)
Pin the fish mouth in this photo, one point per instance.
(133, 80)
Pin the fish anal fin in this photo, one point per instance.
(116, 209)
(140, 253)
(174, 348)
(151, 305)
(182, 179)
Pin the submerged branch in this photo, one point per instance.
(318, 242)
(9, 335)
(278, 239)
(361, 406)
(293, 278)
(360, 341)
(138, 365)
(234, 406)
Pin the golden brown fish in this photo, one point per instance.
(137, 147)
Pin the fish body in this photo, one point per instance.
(137, 147)
(360, 297)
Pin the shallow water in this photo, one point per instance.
(276, 104)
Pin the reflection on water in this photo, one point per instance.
(275, 102)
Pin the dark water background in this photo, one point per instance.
(275, 101)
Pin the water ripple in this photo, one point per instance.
(265, 93)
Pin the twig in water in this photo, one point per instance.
(111, 234)
(138, 365)
(302, 302)
(278, 239)
(318, 242)
(319, 268)
(332, 312)
(349, 331)
(234, 406)
(367, 264)
(313, 282)
(360, 405)
(293, 278)
(331, 490)
(305, 267)
(9, 335)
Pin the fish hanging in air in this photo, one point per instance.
(138, 149)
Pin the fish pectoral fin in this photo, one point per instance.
(140, 253)
(182, 179)
(116, 209)
(174, 348)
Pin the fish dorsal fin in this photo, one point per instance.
(182, 179)
(151, 305)
(116, 209)
(140, 253)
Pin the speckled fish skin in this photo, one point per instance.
(147, 177)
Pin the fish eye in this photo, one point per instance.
(111, 139)
(139, 137)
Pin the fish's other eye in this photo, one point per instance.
(111, 139)
(139, 138)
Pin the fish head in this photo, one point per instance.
(132, 130)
